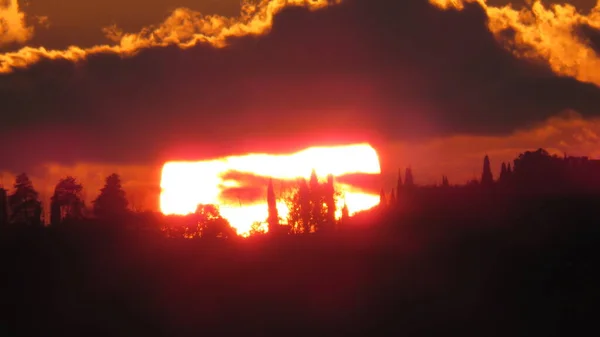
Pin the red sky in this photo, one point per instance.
(433, 89)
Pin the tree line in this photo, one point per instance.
(312, 209)
(24, 207)
(531, 172)
(311, 205)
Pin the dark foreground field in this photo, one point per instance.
(530, 273)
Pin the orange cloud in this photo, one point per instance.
(184, 28)
(550, 33)
(43, 21)
(13, 28)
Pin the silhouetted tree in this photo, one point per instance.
(399, 186)
(486, 176)
(273, 218)
(66, 200)
(257, 228)
(300, 211)
(55, 213)
(24, 203)
(503, 173)
(305, 205)
(538, 171)
(345, 214)
(392, 202)
(176, 226)
(445, 182)
(317, 201)
(382, 200)
(312, 206)
(111, 203)
(329, 198)
(211, 224)
(408, 178)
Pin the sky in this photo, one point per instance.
(93, 87)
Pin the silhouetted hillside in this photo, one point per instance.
(515, 256)
(453, 268)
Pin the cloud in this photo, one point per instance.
(13, 28)
(362, 182)
(243, 195)
(559, 34)
(247, 188)
(184, 28)
(242, 187)
(43, 20)
(113, 33)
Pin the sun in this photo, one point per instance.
(184, 185)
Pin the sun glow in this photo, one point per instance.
(184, 185)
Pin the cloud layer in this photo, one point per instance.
(184, 28)
(559, 34)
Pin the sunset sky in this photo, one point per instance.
(92, 87)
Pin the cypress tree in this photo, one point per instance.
(399, 183)
(330, 201)
(486, 176)
(408, 177)
(392, 199)
(345, 214)
(316, 200)
(503, 171)
(382, 199)
(273, 219)
(305, 205)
